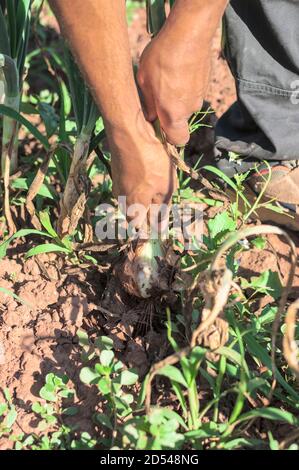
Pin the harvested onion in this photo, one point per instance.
(147, 267)
(140, 273)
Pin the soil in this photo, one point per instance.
(38, 330)
(38, 336)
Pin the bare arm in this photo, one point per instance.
(97, 33)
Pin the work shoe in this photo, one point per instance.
(282, 190)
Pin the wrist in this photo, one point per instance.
(194, 18)
(123, 116)
(195, 5)
(130, 131)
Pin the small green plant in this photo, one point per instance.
(56, 245)
(8, 413)
(55, 387)
(158, 431)
(112, 379)
(86, 115)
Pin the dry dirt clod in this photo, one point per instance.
(135, 356)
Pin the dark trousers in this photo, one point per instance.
(261, 45)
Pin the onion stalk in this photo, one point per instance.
(11, 100)
(86, 116)
(10, 130)
(14, 32)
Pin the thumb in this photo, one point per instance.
(177, 132)
(147, 100)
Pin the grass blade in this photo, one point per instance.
(173, 374)
(46, 223)
(156, 15)
(258, 351)
(12, 26)
(22, 19)
(5, 111)
(46, 248)
(21, 233)
(76, 88)
(271, 413)
(23, 48)
(4, 40)
(228, 181)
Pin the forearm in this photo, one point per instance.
(97, 33)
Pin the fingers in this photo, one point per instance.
(174, 125)
(176, 131)
(153, 217)
(149, 107)
(166, 196)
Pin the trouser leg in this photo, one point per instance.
(262, 48)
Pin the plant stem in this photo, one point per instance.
(10, 127)
(72, 191)
(10, 137)
(6, 152)
(194, 404)
(222, 369)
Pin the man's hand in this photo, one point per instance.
(141, 168)
(174, 68)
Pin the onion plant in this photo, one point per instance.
(14, 32)
(156, 15)
(86, 115)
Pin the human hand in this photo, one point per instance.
(174, 68)
(142, 171)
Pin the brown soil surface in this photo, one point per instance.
(39, 336)
(38, 330)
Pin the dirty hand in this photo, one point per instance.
(141, 169)
(174, 68)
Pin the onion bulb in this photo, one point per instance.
(140, 272)
(147, 267)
